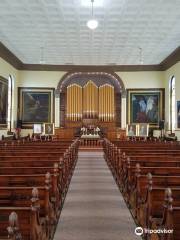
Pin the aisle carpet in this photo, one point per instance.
(94, 208)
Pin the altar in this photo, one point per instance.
(90, 139)
(90, 136)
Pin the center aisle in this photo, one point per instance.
(94, 208)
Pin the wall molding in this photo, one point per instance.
(10, 57)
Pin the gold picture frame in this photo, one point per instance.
(143, 130)
(131, 130)
(49, 129)
(145, 106)
(35, 105)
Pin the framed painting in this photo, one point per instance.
(131, 130)
(145, 106)
(49, 128)
(3, 102)
(143, 130)
(36, 105)
(178, 114)
(37, 128)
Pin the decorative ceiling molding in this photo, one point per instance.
(171, 60)
(85, 68)
(9, 57)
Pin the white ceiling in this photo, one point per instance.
(59, 28)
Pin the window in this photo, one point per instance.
(172, 105)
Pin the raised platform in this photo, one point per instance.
(90, 136)
(90, 148)
(109, 131)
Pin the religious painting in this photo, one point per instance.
(3, 102)
(48, 128)
(131, 130)
(145, 106)
(178, 114)
(143, 130)
(36, 105)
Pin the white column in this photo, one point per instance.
(123, 113)
(57, 106)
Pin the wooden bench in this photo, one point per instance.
(130, 162)
(16, 187)
(170, 217)
(139, 194)
(129, 179)
(29, 227)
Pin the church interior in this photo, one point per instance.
(89, 120)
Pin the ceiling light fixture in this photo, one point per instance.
(87, 3)
(92, 23)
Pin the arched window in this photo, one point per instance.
(172, 104)
(10, 102)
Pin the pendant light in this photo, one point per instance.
(92, 23)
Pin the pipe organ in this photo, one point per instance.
(90, 102)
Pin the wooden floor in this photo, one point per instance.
(94, 208)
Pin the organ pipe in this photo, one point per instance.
(108, 103)
(113, 102)
(74, 106)
(90, 97)
(80, 96)
(84, 101)
(102, 105)
(78, 105)
(70, 103)
(67, 103)
(74, 102)
(105, 96)
(90, 101)
(99, 98)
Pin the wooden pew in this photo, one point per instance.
(130, 164)
(117, 160)
(139, 195)
(30, 226)
(16, 187)
(21, 197)
(170, 219)
(129, 179)
(152, 209)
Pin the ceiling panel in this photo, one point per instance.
(56, 30)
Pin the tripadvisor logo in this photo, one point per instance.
(139, 231)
